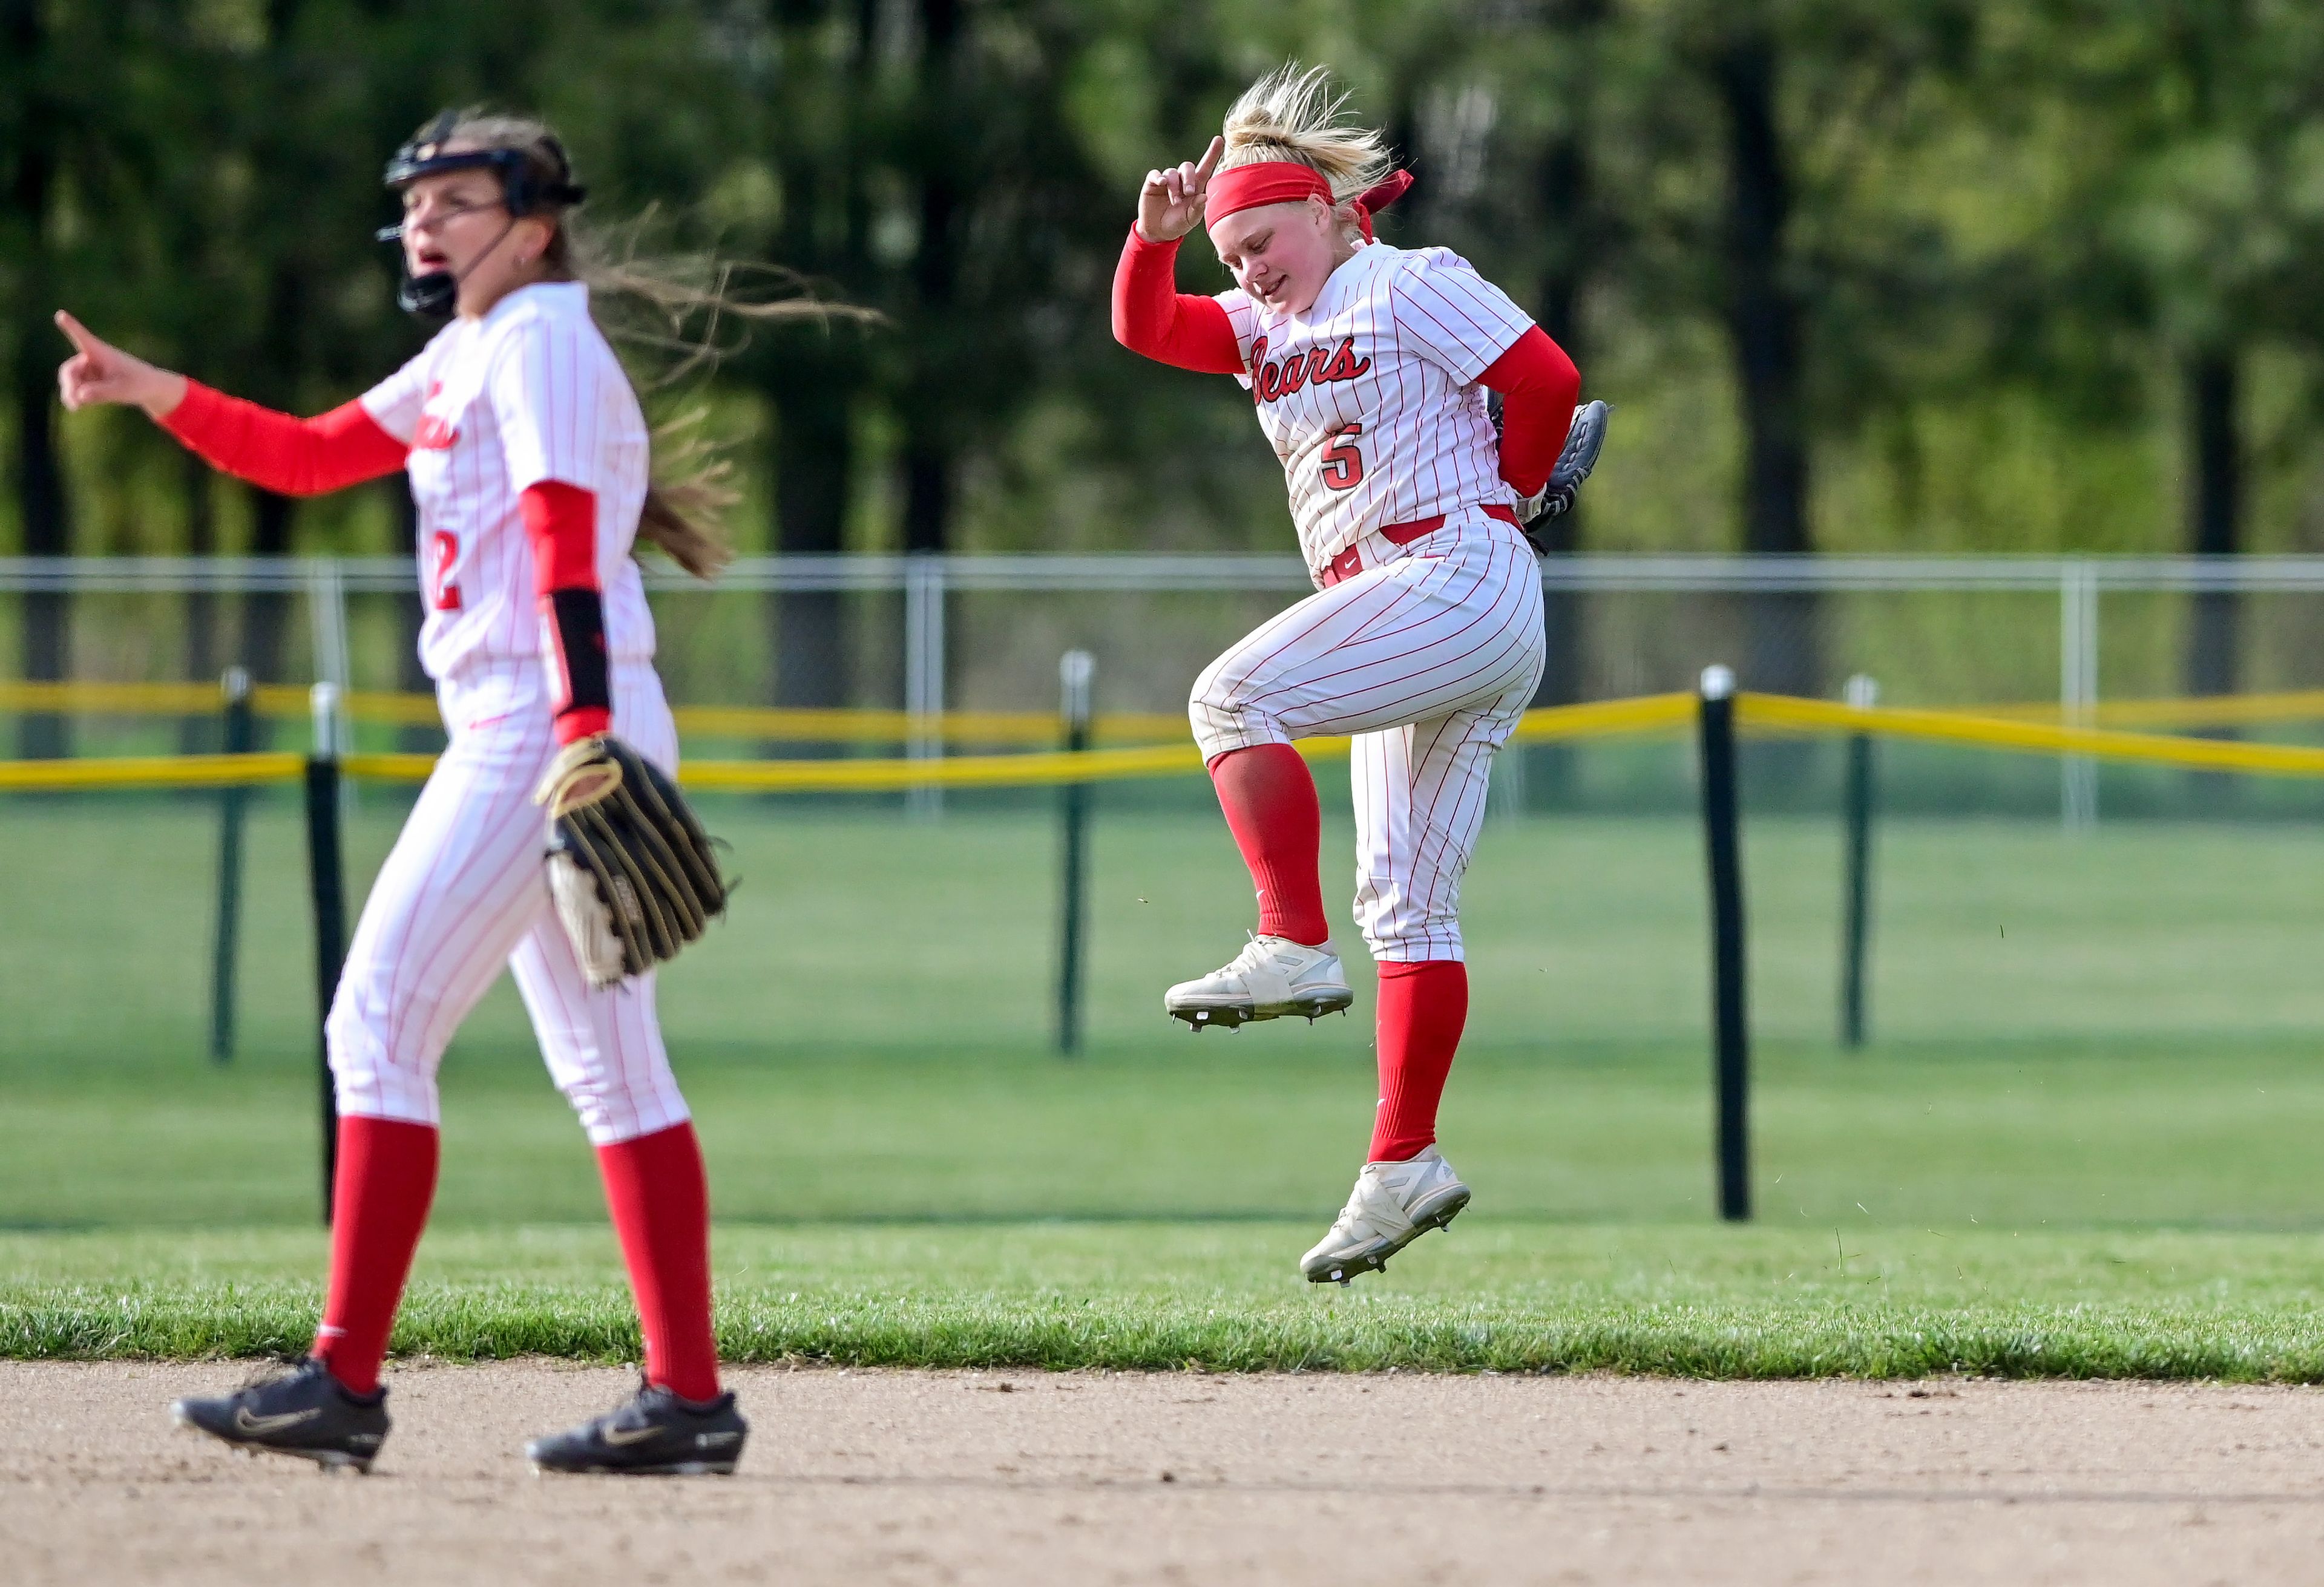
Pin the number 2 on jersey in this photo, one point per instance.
(1343, 465)
(443, 553)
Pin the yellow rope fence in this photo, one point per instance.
(854, 726)
(150, 771)
(1650, 713)
(1040, 768)
(798, 724)
(1784, 713)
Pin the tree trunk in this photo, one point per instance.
(813, 381)
(927, 493)
(42, 507)
(2215, 500)
(266, 617)
(813, 480)
(1764, 324)
(2212, 384)
(930, 424)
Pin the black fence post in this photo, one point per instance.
(234, 801)
(1730, 1026)
(1863, 694)
(326, 884)
(1075, 671)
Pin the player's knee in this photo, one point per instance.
(1395, 930)
(1223, 716)
(612, 1112)
(1415, 946)
(1209, 697)
(593, 1103)
(367, 1074)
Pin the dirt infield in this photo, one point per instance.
(1017, 1477)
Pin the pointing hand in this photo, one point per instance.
(98, 371)
(1170, 204)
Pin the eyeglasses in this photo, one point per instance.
(450, 211)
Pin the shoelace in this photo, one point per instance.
(280, 1369)
(613, 1418)
(1354, 1213)
(1254, 954)
(1354, 1210)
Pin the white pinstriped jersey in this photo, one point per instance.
(529, 392)
(1371, 398)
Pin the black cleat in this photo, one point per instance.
(298, 1409)
(655, 1435)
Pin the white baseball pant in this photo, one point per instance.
(465, 891)
(1428, 660)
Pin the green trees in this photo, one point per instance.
(2196, 187)
(1919, 273)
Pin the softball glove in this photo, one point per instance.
(631, 869)
(1583, 441)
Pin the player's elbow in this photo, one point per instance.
(1551, 369)
(1125, 330)
(1566, 378)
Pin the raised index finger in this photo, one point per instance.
(77, 333)
(1210, 159)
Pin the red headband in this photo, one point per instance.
(1286, 181)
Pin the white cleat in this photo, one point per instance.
(1270, 977)
(1394, 1203)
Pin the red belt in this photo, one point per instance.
(1351, 561)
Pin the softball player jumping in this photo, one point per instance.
(528, 458)
(1369, 366)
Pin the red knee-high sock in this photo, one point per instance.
(1269, 799)
(1422, 1008)
(381, 1190)
(660, 1203)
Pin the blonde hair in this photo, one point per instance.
(691, 310)
(1293, 113)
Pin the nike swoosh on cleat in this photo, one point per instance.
(244, 1422)
(620, 1438)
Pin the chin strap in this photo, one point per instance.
(437, 294)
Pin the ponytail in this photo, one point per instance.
(675, 307)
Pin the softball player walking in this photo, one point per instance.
(527, 456)
(1369, 366)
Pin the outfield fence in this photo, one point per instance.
(932, 655)
(2164, 693)
(1718, 717)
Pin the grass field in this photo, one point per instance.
(2083, 1142)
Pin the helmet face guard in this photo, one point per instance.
(433, 295)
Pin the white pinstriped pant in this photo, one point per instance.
(1428, 660)
(465, 891)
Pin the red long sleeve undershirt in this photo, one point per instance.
(1152, 317)
(561, 521)
(277, 452)
(1539, 387)
(1537, 382)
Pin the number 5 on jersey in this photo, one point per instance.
(443, 556)
(1343, 463)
